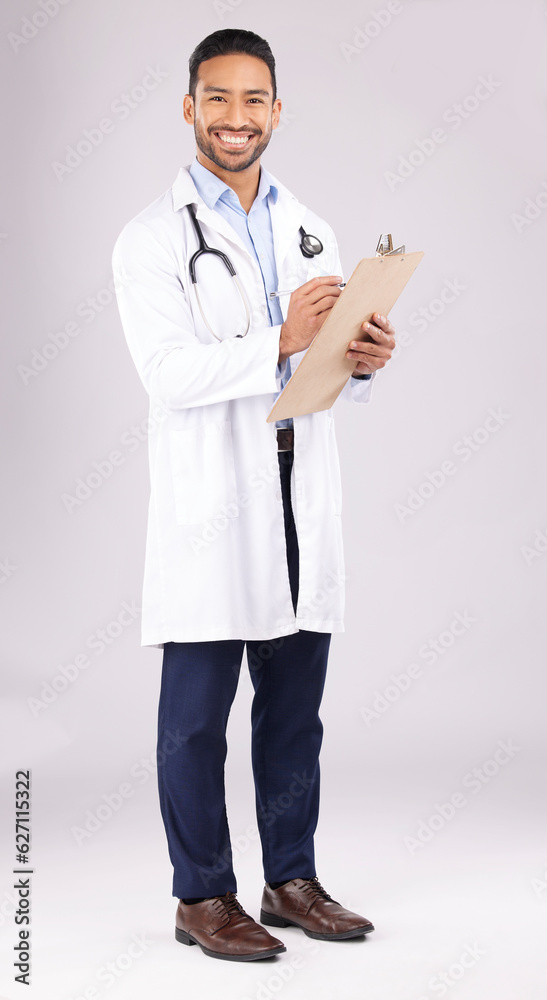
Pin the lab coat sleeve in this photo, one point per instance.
(174, 367)
(355, 390)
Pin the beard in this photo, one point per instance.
(223, 159)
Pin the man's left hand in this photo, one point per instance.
(376, 351)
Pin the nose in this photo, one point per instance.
(236, 116)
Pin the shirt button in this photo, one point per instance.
(278, 494)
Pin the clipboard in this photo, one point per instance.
(374, 286)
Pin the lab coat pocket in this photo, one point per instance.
(204, 481)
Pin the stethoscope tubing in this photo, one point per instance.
(200, 252)
(310, 246)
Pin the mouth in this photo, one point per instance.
(234, 141)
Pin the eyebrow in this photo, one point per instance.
(224, 90)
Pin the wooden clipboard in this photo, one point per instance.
(318, 380)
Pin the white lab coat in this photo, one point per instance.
(216, 565)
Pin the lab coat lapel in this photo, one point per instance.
(211, 218)
(185, 193)
(287, 216)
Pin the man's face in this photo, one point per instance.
(233, 114)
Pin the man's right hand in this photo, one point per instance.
(308, 309)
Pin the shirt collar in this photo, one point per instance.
(211, 188)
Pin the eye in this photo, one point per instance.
(217, 97)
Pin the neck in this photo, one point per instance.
(243, 182)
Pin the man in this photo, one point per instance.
(244, 543)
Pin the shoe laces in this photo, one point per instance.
(231, 904)
(314, 887)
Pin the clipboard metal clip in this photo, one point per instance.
(385, 246)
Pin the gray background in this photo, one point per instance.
(475, 544)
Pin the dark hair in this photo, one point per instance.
(227, 42)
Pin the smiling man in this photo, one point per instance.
(244, 546)
(228, 149)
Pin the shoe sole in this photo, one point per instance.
(185, 938)
(273, 920)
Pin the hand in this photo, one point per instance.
(374, 352)
(308, 309)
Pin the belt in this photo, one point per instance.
(285, 439)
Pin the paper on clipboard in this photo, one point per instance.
(374, 286)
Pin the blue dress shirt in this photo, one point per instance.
(254, 230)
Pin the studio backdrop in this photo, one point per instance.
(422, 118)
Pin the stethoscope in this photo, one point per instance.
(310, 246)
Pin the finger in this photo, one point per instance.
(323, 279)
(324, 304)
(384, 323)
(382, 344)
(378, 334)
(316, 295)
(372, 355)
(360, 349)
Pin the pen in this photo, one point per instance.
(274, 295)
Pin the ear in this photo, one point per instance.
(188, 109)
(276, 113)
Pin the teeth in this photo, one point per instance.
(235, 141)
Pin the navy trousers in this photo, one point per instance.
(198, 685)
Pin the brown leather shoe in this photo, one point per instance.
(304, 903)
(223, 930)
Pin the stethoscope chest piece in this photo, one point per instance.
(310, 246)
